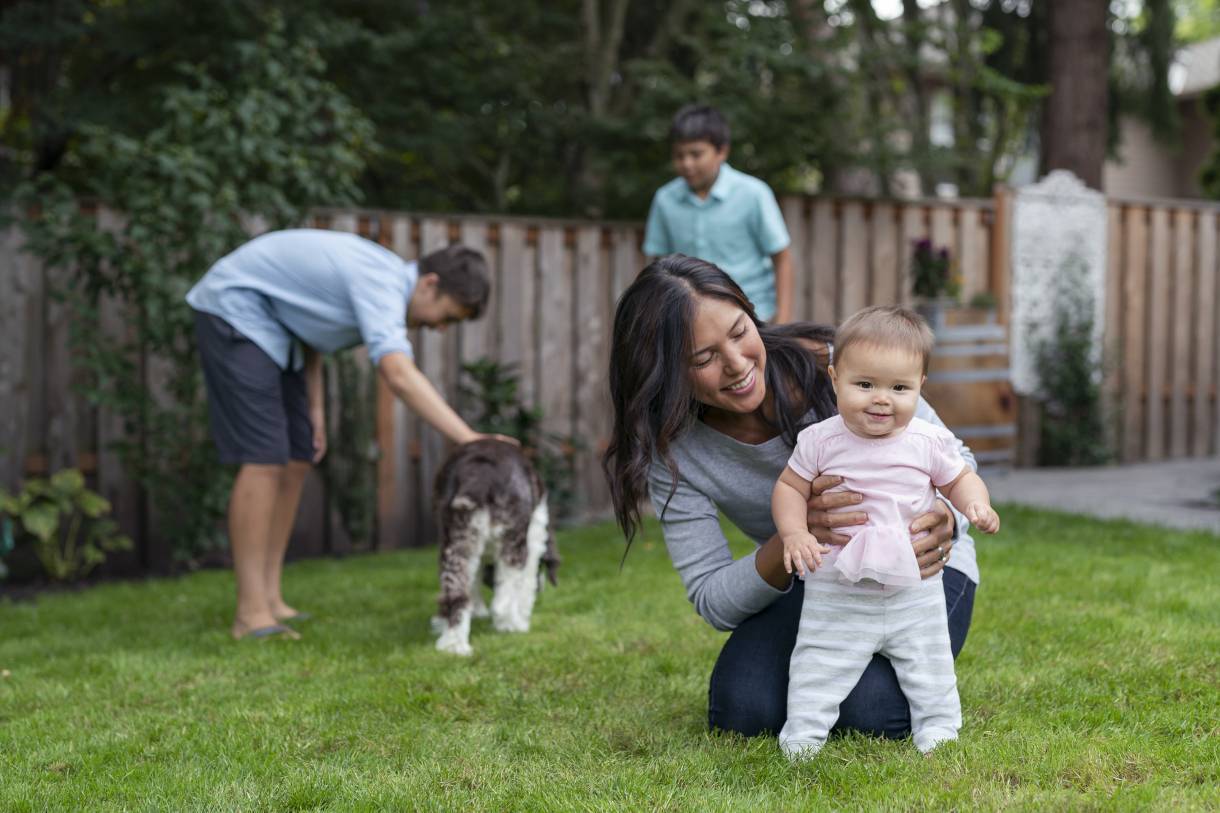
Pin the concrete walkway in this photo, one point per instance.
(1180, 494)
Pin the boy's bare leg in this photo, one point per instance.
(285, 514)
(251, 507)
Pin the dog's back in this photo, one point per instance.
(488, 474)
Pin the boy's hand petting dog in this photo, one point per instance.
(983, 517)
(803, 552)
(504, 438)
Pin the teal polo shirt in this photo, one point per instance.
(738, 227)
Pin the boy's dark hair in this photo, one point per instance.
(699, 122)
(462, 273)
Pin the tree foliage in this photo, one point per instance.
(1209, 177)
(562, 107)
(1197, 20)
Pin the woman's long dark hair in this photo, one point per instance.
(650, 374)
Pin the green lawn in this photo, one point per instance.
(1089, 682)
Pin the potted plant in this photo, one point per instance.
(933, 282)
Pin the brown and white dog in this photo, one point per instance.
(489, 499)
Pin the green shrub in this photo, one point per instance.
(491, 402)
(1073, 424)
(1209, 175)
(66, 522)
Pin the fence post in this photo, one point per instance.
(1001, 252)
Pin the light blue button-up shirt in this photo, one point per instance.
(738, 227)
(328, 289)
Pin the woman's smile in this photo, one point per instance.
(744, 385)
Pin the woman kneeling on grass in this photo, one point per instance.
(708, 402)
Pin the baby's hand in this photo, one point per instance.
(983, 517)
(803, 552)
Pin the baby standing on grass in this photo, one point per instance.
(868, 597)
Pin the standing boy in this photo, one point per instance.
(713, 212)
(264, 315)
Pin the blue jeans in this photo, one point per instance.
(748, 692)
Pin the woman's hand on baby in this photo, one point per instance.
(825, 512)
(802, 552)
(932, 539)
(983, 517)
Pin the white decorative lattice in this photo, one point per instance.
(1057, 223)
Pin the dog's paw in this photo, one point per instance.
(454, 645)
(510, 624)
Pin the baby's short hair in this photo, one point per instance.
(888, 326)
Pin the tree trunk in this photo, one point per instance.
(917, 98)
(1074, 123)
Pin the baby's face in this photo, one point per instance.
(877, 389)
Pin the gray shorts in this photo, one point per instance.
(258, 413)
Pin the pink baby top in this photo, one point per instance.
(895, 475)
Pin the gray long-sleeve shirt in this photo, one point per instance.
(717, 473)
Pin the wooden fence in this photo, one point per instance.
(554, 289)
(1162, 329)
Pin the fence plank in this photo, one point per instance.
(1180, 359)
(555, 318)
(1159, 281)
(1135, 273)
(517, 307)
(16, 338)
(1112, 330)
(983, 230)
(943, 231)
(886, 275)
(825, 263)
(914, 227)
(854, 279)
(400, 497)
(433, 356)
(971, 253)
(999, 279)
(592, 417)
(476, 338)
(34, 457)
(794, 217)
(624, 267)
(1204, 434)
